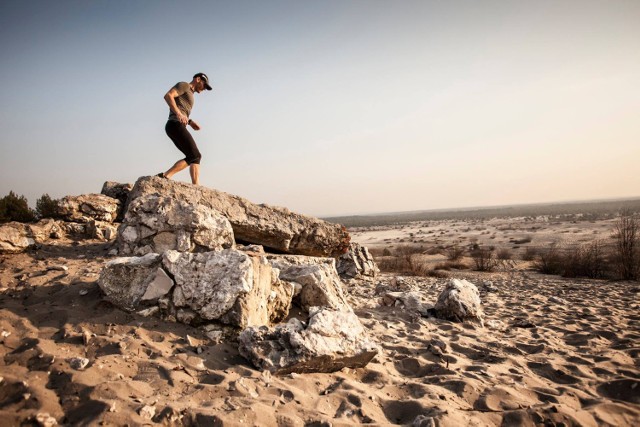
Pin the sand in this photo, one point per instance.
(552, 350)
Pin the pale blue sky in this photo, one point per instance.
(328, 107)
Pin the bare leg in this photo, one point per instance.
(194, 171)
(180, 165)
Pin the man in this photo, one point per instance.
(180, 101)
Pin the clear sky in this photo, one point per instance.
(328, 107)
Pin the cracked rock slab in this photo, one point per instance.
(329, 341)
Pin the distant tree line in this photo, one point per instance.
(16, 208)
(579, 211)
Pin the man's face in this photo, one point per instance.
(199, 85)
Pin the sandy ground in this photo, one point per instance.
(552, 352)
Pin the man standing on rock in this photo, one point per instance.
(180, 101)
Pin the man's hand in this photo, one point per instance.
(194, 125)
(183, 119)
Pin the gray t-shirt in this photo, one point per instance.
(184, 100)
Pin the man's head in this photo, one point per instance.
(201, 82)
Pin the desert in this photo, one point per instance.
(545, 349)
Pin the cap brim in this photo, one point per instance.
(208, 86)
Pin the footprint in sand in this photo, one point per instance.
(547, 371)
(505, 399)
(627, 390)
(402, 412)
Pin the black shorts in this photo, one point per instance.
(184, 141)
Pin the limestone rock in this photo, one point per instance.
(46, 229)
(158, 287)
(317, 279)
(356, 262)
(459, 301)
(101, 230)
(15, 238)
(87, 207)
(125, 280)
(229, 286)
(156, 223)
(75, 228)
(273, 227)
(411, 301)
(117, 190)
(120, 192)
(332, 340)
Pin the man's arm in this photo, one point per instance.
(169, 98)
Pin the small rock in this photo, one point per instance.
(147, 412)
(58, 268)
(423, 421)
(86, 337)
(215, 336)
(46, 420)
(5, 334)
(83, 292)
(148, 312)
(78, 363)
(190, 341)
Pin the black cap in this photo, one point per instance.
(204, 78)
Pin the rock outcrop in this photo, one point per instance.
(118, 191)
(46, 229)
(157, 223)
(330, 341)
(15, 237)
(315, 279)
(226, 286)
(101, 230)
(356, 262)
(87, 207)
(273, 227)
(459, 301)
(125, 280)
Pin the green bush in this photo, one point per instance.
(46, 207)
(15, 208)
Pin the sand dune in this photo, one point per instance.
(551, 351)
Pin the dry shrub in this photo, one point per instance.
(483, 258)
(548, 260)
(400, 260)
(451, 265)
(588, 260)
(454, 252)
(504, 254)
(627, 246)
(530, 254)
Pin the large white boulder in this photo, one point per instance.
(273, 227)
(87, 207)
(459, 301)
(315, 279)
(15, 237)
(357, 262)
(331, 340)
(124, 281)
(155, 223)
(228, 286)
